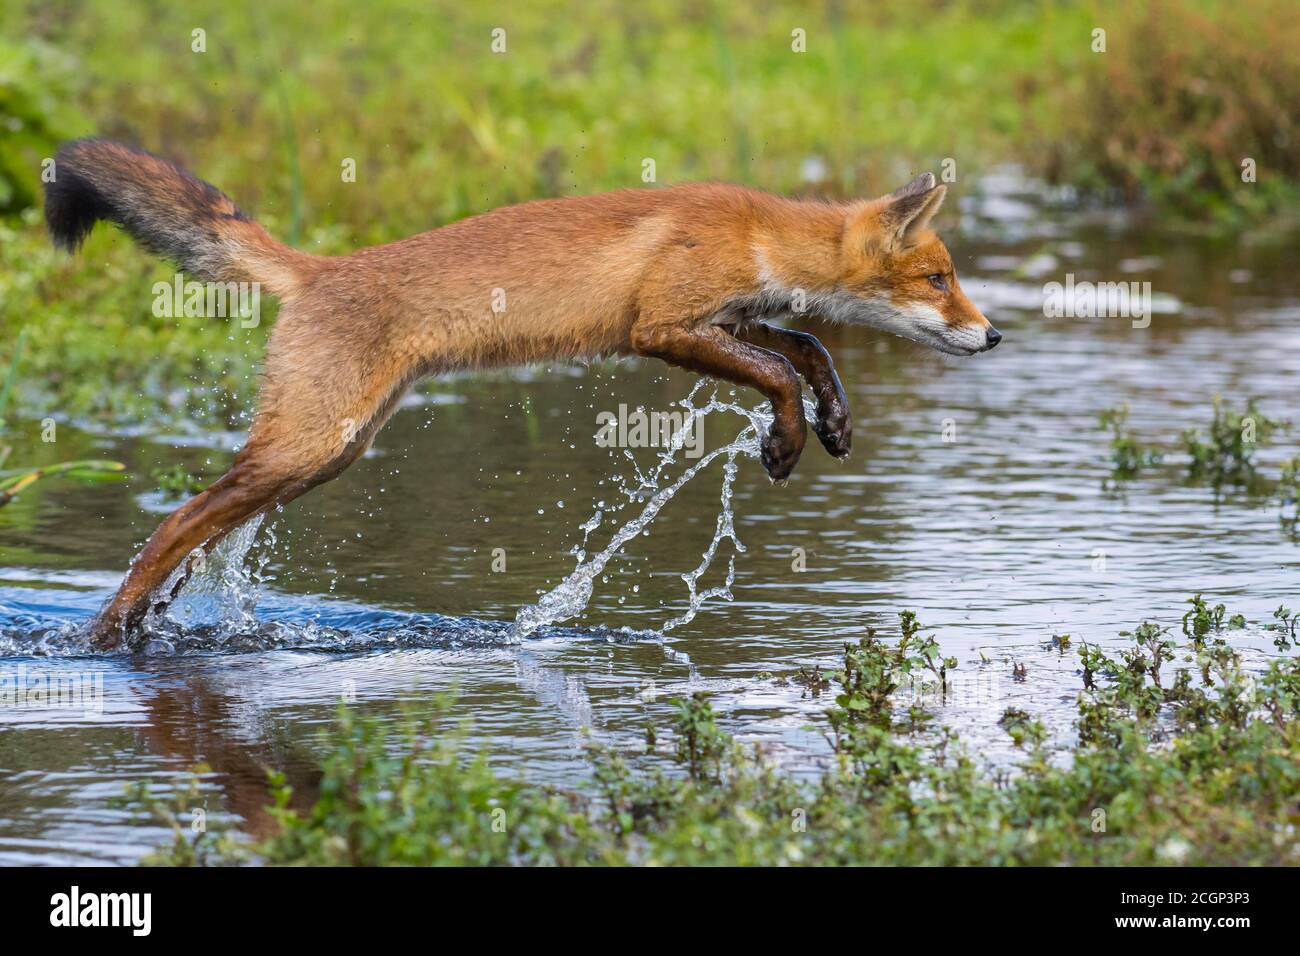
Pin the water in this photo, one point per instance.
(380, 587)
(572, 595)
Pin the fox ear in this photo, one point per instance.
(921, 184)
(910, 210)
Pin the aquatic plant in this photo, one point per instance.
(196, 839)
(1022, 728)
(1128, 456)
(1285, 622)
(868, 678)
(1201, 619)
(811, 679)
(924, 653)
(1227, 453)
(700, 744)
(14, 480)
(1288, 494)
(873, 670)
(177, 481)
(1223, 456)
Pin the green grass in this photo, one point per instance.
(1183, 756)
(440, 127)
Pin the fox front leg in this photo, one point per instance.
(834, 425)
(710, 350)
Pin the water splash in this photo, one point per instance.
(217, 605)
(225, 609)
(223, 590)
(571, 596)
(725, 527)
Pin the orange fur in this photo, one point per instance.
(685, 274)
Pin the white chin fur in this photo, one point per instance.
(919, 323)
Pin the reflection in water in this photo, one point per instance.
(192, 720)
(974, 497)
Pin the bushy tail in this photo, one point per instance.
(169, 212)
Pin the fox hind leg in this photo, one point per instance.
(308, 429)
(241, 493)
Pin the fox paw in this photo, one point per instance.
(779, 454)
(835, 431)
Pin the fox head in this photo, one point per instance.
(896, 275)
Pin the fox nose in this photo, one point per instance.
(994, 337)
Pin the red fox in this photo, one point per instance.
(689, 274)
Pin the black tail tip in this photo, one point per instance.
(72, 203)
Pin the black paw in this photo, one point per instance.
(834, 429)
(779, 454)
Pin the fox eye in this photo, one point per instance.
(938, 282)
